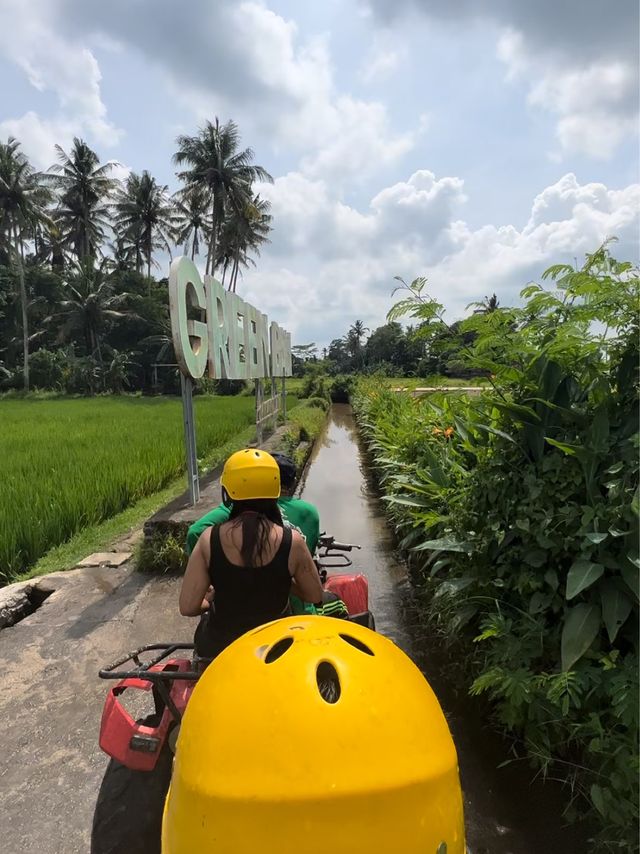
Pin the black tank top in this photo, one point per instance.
(245, 596)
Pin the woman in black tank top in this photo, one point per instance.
(241, 573)
(245, 596)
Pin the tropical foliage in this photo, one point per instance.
(77, 249)
(420, 350)
(519, 508)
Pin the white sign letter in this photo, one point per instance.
(189, 336)
(219, 329)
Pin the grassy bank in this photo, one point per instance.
(68, 465)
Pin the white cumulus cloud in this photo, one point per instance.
(338, 262)
(596, 104)
(29, 37)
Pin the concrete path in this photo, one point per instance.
(50, 695)
(51, 699)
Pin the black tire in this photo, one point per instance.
(128, 813)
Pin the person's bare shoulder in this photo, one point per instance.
(297, 540)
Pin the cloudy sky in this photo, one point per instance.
(474, 142)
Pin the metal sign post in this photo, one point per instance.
(193, 481)
(259, 417)
(284, 396)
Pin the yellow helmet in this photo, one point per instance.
(251, 474)
(313, 734)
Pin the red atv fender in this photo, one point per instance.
(134, 743)
(352, 588)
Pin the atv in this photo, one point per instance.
(128, 812)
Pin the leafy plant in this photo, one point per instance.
(162, 553)
(519, 508)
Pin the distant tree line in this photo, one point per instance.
(79, 308)
(421, 350)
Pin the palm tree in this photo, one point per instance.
(354, 340)
(124, 256)
(144, 217)
(85, 190)
(90, 303)
(359, 331)
(191, 222)
(486, 306)
(48, 245)
(22, 207)
(244, 231)
(216, 166)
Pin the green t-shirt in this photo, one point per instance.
(296, 513)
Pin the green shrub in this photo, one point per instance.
(316, 385)
(228, 387)
(319, 402)
(520, 508)
(161, 553)
(341, 388)
(46, 369)
(304, 423)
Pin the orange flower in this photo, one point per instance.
(448, 433)
(436, 431)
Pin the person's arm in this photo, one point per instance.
(305, 579)
(196, 587)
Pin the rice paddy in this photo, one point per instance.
(66, 464)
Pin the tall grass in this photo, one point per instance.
(66, 464)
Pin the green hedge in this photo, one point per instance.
(520, 510)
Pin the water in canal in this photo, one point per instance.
(504, 812)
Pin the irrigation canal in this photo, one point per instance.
(504, 812)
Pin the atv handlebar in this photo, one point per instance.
(329, 544)
(329, 549)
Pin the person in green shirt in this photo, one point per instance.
(296, 513)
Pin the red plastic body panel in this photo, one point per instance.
(353, 589)
(117, 727)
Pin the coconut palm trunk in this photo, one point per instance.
(213, 239)
(23, 306)
(236, 268)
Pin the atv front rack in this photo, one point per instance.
(153, 669)
(160, 671)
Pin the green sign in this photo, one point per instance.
(218, 333)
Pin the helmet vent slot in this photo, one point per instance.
(328, 682)
(277, 650)
(358, 644)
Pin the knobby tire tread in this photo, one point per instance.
(128, 812)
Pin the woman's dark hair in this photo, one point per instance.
(254, 517)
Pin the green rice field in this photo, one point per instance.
(66, 464)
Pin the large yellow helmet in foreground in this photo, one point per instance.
(315, 735)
